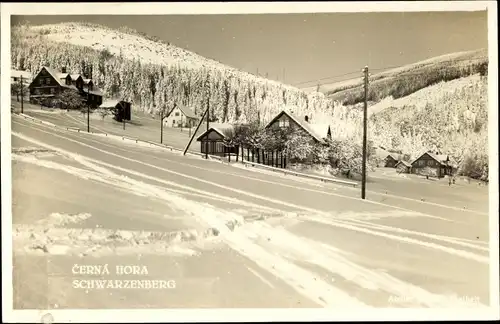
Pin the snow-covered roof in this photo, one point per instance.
(442, 159)
(407, 164)
(56, 75)
(109, 103)
(87, 81)
(186, 111)
(18, 74)
(223, 129)
(96, 92)
(395, 156)
(74, 77)
(317, 131)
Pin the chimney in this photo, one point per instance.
(306, 118)
(63, 70)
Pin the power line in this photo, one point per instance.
(326, 78)
(380, 69)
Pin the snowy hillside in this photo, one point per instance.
(131, 45)
(153, 75)
(448, 61)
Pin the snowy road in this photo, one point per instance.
(228, 236)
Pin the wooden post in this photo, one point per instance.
(258, 155)
(22, 96)
(197, 127)
(208, 126)
(88, 112)
(365, 112)
(161, 126)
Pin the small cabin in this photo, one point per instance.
(403, 167)
(122, 109)
(214, 140)
(391, 160)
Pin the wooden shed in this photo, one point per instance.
(391, 160)
(122, 109)
(403, 167)
(214, 140)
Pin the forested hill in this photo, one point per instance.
(155, 75)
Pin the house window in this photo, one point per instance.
(421, 163)
(52, 90)
(176, 113)
(430, 163)
(47, 80)
(283, 123)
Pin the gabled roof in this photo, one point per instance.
(75, 77)
(58, 77)
(317, 131)
(407, 164)
(87, 81)
(185, 111)
(395, 156)
(109, 103)
(221, 128)
(440, 158)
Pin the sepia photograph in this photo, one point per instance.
(250, 159)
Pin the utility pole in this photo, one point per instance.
(123, 114)
(22, 96)
(88, 111)
(161, 126)
(208, 127)
(365, 113)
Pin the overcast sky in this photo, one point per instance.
(303, 47)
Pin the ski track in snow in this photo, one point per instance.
(274, 256)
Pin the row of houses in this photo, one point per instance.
(439, 164)
(49, 83)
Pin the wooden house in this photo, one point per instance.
(48, 83)
(213, 139)
(391, 160)
(180, 116)
(122, 109)
(439, 163)
(403, 167)
(318, 133)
